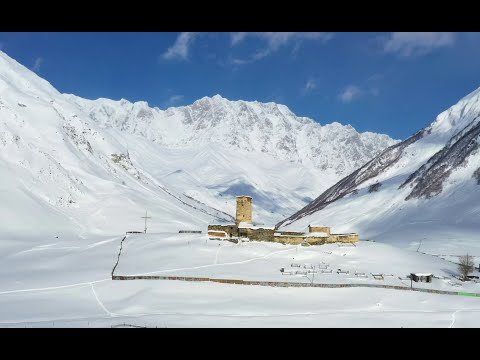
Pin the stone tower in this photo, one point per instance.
(244, 210)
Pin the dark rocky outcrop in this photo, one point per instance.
(429, 179)
(350, 183)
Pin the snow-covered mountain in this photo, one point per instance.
(62, 174)
(77, 166)
(216, 149)
(424, 191)
(246, 127)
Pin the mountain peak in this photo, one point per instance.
(249, 126)
(269, 129)
(211, 99)
(458, 116)
(218, 97)
(72, 150)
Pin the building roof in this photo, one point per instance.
(288, 236)
(422, 274)
(244, 225)
(244, 196)
(317, 234)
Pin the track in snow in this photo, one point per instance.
(100, 303)
(214, 265)
(53, 287)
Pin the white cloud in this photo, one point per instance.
(417, 43)
(276, 40)
(237, 37)
(350, 93)
(38, 64)
(174, 99)
(181, 48)
(309, 86)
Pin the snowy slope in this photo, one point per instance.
(216, 149)
(68, 284)
(76, 166)
(68, 182)
(61, 173)
(246, 127)
(424, 191)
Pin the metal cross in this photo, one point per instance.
(146, 217)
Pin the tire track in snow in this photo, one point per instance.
(100, 303)
(454, 315)
(69, 286)
(66, 286)
(287, 314)
(154, 272)
(53, 287)
(214, 265)
(453, 318)
(139, 316)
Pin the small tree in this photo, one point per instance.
(465, 265)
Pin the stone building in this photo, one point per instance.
(319, 229)
(244, 228)
(418, 277)
(244, 210)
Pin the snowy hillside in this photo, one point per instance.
(77, 166)
(217, 149)
(76, 174)
(62, 174)
(246, 127)
(424, 191)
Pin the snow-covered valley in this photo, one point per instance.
(54, 286)
(77, 174)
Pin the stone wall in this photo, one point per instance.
(260, 234)
(343, 238)
(287, 284)
(317, 240)
(324, 229)
(294, 233)
(244, 209)
(231, 230)
(289, 239)
(286, 237)
(217, 233)
(314, 240)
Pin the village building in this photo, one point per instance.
(418, 277)
(244, 228)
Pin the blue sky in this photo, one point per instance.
(393, 83)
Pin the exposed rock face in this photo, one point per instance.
(429, 179)
(250, 127)
(425, 186)
(373, 168)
